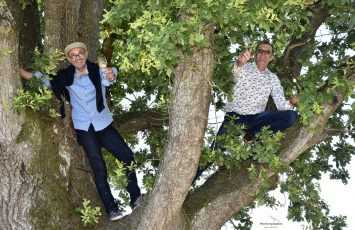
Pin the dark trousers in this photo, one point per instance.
(276, 120)
(110, 139)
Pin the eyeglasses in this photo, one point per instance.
(76, 56)
(261, 51)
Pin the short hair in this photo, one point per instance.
(266, 42)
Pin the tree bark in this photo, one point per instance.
(61, 23)
(14, 181)
(29, 32)
(139, 120)
(191, 96)
(69, 21)
(88, 32)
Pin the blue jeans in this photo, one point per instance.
(110, 139)
(276, 120)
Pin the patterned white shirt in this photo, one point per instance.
(252, 89)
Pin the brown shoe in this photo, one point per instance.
(248, 137)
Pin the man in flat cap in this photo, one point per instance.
(84, 84)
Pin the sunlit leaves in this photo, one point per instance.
(89, 215)
(231, 150)
(119, 179)
(36, 101)
(37, 96)
(47, 63)
(158, 30)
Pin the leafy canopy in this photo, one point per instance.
(152, 36)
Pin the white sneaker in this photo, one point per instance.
(115, 215)
(139, 201)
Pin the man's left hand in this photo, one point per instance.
(294, 100)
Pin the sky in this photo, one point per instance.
(337, 195)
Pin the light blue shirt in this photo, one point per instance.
(83, 101)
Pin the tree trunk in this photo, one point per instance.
(45, 174)
(15, 183)
(188, 114)
(69, 21)
(28, 31)
(88, 32)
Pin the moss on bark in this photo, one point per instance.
(59, 193)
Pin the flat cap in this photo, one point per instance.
(74, 45)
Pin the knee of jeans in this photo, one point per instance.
(292, 117)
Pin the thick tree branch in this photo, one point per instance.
(139, 120)
(107, 47)
(187, 124)
(289, 66)
(225, 193)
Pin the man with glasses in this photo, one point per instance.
(84, 84)
(254, 84)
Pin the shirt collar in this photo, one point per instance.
(266, 71)
(79, 73)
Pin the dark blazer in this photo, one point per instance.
(65, 77)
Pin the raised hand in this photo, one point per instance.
(244, 57)
(102, 62)
(110, 75)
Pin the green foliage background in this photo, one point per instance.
(150, 38)
(152, 35)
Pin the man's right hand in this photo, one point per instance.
(25, 74)
(244, 57)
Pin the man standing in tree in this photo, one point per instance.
(254, 84)
(84, 84)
